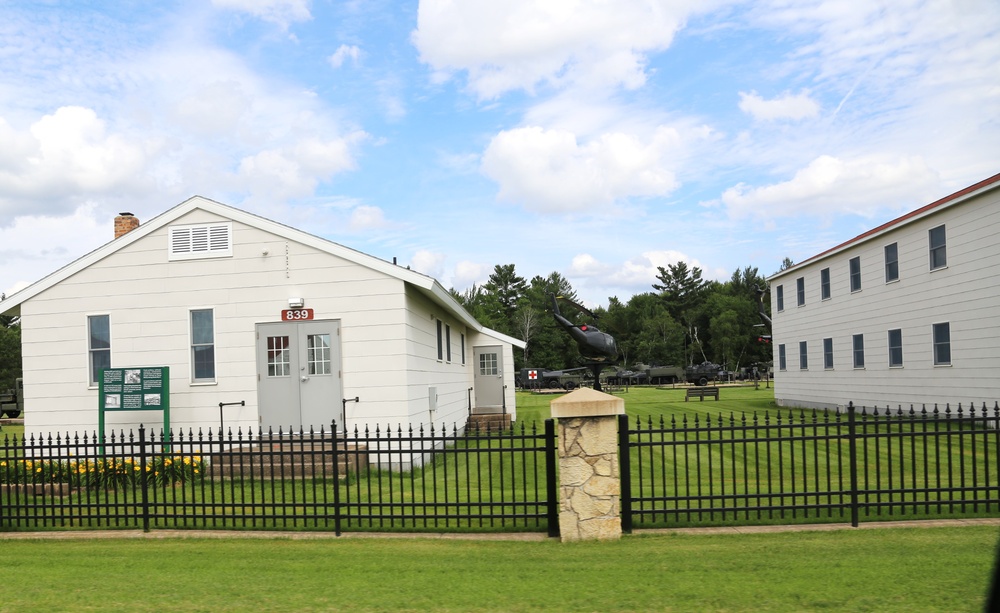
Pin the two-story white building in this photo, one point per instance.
(241, 309)
(906, 313)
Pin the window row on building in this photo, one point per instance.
(444, 343)
(202, 341)
(937, 253)
(941, 349)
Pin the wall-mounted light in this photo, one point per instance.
(296, 303)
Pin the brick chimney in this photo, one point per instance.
(125, 223)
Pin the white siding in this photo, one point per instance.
(966, 294)
(384, 341)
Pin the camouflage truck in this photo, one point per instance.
(701, 374)
(12, 400)
(662, 375)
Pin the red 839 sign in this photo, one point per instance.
(296, 314)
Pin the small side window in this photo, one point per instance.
(99, 344)
(938, 248)
(202, 345)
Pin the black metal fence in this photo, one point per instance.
(790, 466)
(810, 466)
(382, 480)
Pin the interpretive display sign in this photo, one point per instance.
(140, 388)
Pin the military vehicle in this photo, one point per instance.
(701, 374)
(12, 400)
(662, 375)
(598, 349)
(541, 378)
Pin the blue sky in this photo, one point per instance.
(599, 139)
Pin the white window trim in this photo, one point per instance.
(934, 362)
(93, 385)
(217, 241)
(888, 346)
(215, 346)
(930, 249)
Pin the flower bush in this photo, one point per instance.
(104, 473)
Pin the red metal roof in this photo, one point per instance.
(995, 179)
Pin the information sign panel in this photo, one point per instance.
(135, 389)
(140, 388)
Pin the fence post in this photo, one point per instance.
(852, 439)
(336, 472)
(625, 467)
(551, 485)
(589, 481)
(144, 478)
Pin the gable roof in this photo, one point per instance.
(428, 286)
(950, 200)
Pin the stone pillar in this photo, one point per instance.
(589, 482)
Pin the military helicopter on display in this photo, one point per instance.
(597, 348)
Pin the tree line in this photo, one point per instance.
(10, 351)
(683, 320)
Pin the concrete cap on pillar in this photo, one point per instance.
(585, 402)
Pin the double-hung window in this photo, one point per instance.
(463, 348)
(440, 338)
(942, 344)
(782, 365)
(824, 284)
(828, 353)
(800, 291)
(859, 351)
(780, 297)
(895, 347)
(447, 341)
(803, 355)
(202, 345)
(937, 245)
(891, 263)
(856, 274)
(99, 345)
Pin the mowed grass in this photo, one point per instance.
(898, 569)
(654, 402)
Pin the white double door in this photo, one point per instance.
(299, 375)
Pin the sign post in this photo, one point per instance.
(145, 388)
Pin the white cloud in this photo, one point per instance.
(428, 263)
(830, 185)
(519, 44)
(343, 53)
(550, 171)
(215, 108)
(366, 217)
(281, 12)
(63, 157)
(294, 171)
(787, 106)
(468, 273)
(632, 276)
(27, 259)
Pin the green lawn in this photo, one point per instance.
(898, 569)
(653, 402)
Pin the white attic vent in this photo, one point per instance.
(198, 241)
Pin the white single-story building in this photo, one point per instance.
(905, 314)
(242, 309)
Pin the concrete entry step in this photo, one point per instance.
(488, 422)
(288, 459)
